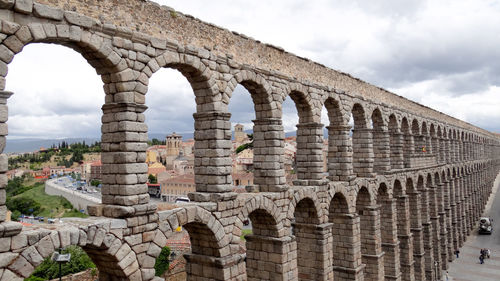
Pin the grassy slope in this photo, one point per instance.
(245, 232)
(52, 206)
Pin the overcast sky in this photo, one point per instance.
(443, 54)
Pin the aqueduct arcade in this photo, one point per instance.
(403, 189)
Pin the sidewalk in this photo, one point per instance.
(467, 267)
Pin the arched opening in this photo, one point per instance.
(416, 228)
(268, 137)
(403, 225)
(371, 246)
(54, 128)
(388, 231)
(362, 146)
(461, 142)
(454, 208)
(242, 150)
(441, 145)
(438, 199)
(346, 246)
(434, 144)
(306, 229)
(170, 154)
(381, 143)
(90, 248)
(80, 263)
(416, 218)
(395, 144)
(339, 143)
(269, 255)
(454, 146)
(309, 140)
(426, 141)
(408, 148)
(196, 248)
(418, 140)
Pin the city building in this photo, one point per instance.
(178, 186)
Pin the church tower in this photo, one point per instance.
(173, 144)
(239, 133)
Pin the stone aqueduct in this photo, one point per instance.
(386, 211)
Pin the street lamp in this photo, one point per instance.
(61, 258)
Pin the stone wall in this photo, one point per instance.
(79, 200)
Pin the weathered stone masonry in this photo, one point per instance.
(401, 194)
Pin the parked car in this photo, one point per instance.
(485, 225)
(182, 200)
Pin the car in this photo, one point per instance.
(485, 225)
(182, 200)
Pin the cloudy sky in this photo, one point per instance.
(443, 54)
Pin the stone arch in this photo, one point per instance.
(268, 240)
(363, 198)
(345, 224)
(388, 230)
(303, 103)
(396, 140)
(113, 257)
(265, 213)
(311, 206)
(201, 226)
(96, 50)
(381, 142)
(362, 143)
(408, 144)
(417, 135)
(210, 245)
(415, 127)
(404, 226)
(334, 109)
(339, 157)
(377, 119)
(369, 227)
(397, 188)
(268, 132)
(309, 154)
(339, 193)
(307, 213)
(426, 138)
(338, 204)
(359, 116)
(199, 76)
(425, 129)
(260, 91)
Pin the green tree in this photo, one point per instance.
(162, 262)
(23, 205)
(245, 145)
(95, 182)
(152, 178)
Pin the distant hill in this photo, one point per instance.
(34, 144)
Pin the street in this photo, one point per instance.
(467, 267)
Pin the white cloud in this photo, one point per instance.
(56, 94)
(443, 54)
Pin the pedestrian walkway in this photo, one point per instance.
(467, 267)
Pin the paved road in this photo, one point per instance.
(467, 267)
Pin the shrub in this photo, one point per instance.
(23, 205)
(162, 262)
(49, 269)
